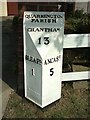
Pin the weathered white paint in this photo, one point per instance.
(42, 79)
(76, 40)
(75, 76)
(3, 8)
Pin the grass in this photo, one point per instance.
(73, 104)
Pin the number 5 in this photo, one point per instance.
(51, 71)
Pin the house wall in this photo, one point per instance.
(89, 7)
(12, 8)
(3, 8)
(81, 5)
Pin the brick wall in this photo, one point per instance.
(12, 8)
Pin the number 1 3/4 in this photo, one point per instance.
(46, 40)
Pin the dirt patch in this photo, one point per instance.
(73, 104)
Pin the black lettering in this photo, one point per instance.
(37, 30)
(54, 30)
(41, 20)
(52, 60)
(42, 16)
(38, 16)
(32, 20)
(30, 29)
(51, 71)
(33, 72)
(27, 57)
(46, 40)
(37, 20)
(27, 16)
(32, 59)
(39, 61)
(34, 16)
(45, 63)
(43, 29)
(57, 59)
(49, 20)
(53, 20)
(47, 29)
(49, 61)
